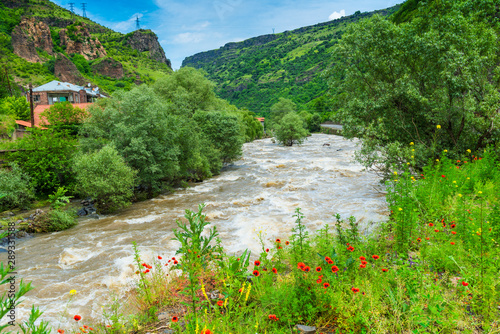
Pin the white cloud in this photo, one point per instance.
(127, 25)
(336, 15)
(188, 37)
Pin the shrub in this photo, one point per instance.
(60, 220)
(16, 188)
(290, 130)
(104, 176)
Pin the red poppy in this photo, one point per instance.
(207, 331)
(173, 258)
(350, 248)
(355, 290)
(318, 269)
(452, 243)
(453, 232)
(257, 263)
(287, 242)
(326, 285)
(149, 267)
(175, 262)
(159, 257)
(335, 269)
(301, 265)
(90, 328)
(108, 325)
(256, 273)
(330, 261)
(327, 258)
(146, 271)
(220, 303)
(443, 176)
(60, 331)
(375, 257)
(307, 269)
(77, 317)
(362, 265)
(427, 238)
(240, 290)
(237, 259)
(431, 224)
(362, 258)
(169, 261)
(275, 270)
(278, 240)
(85, 326)
(419, 239)
(267, 250)
(464, 283)
(453, 225)
(319, 280)
(272, 316)
(384, 270)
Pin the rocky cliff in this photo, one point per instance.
(146, 40)
(109, 67)
(29, 35)
(66, 71)
(77, 39)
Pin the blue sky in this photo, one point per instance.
(188, 27)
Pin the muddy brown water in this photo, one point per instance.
(260, 192)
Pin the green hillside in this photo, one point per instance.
(256, 72)
(138, 65)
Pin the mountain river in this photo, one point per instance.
(258, 193)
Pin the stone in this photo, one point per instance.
(66, 71)
(146, 40)
(93, 216)
(84, 44)
(10, 214)
(306, 329)
(163, 316)
(109, 67)
(168, 331)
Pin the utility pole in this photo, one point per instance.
(31, 107)
(273, 31)
(84, 7)
(137, 25)
(8, 81)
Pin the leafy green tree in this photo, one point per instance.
(104, 176)
(280, 109)
(431, 81)
(64, 116)
(17, 107)
(138, 125)
(290, 130)
(223, 132)
(7, 125)
(15, 187)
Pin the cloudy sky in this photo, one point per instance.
(186, 27)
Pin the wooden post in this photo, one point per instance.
(31, 107)
(8, 80)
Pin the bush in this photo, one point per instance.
(290, 130)
(104, 176)
(16, 188)
(60, 220)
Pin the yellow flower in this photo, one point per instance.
(248, 292)
(72, 292)
(459, 195)
(438, 126)
(413, 157)
(412, 144)
(400, 209)
(437, 160)
(413, 150)
(395, 173)
(445, 151)
(407, 163)
(468, 178)
(480, 192)
(469, 151)
(454, 181)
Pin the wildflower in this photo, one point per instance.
(72, 292)
(319, 280)
(375, 257)
(220, 303)
(275, 270)
(427, 238)
(362, 265)
(159, 257)
(307, 269)
(384, 270)
(411, 144)
(256, 273)
(175, 262)
(453, 232)
(327, 258)
(362, 258)
(436, 230)
(431, 224)
(438, 126)
(419, 239)
(257, 263)
(437, 160)
(207, 331)
(335, 269)
(355, 290)
(278, 241)
(237, 259)
(318, 269)
(279, 247)
(77, 318)
(330, 261)
(145, 271)
(464, 283)
(480, 192)
(267, 250)
(287, 242)
(469, 151)
(445, 151)
(400, 209)
(452, 243)
(90, 328)
(272, 316)
(60, 331)
(173, 258)
(453, 225)
(326, 285)
(85, 326)
(350, 248)
(301, 265)
(108, 325)
(443, 176)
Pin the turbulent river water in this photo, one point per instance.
(259, 192)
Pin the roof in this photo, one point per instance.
(261, 119)
(41, 108)
(55, 86)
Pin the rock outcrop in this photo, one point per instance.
(29, 35)
(146, 40)
(109, 67)
(77, 39)
(66, 71)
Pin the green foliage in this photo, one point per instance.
(104, 176)
(16, 188)
(58, 221)
(59, 199)
(17, 107)
(290, 130)
(46, 156)
(444, 96)
(63, 116)
(81, 63)
(7, 125)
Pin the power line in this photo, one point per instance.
(72, 7)
(137, 25)
(84, 7)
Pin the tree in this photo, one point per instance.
(430, 81)
(290, 130)
(15, 188)
(64, 116)
(280, 109)
(104, 176)
(17, 107)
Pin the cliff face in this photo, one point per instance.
(109, 67)
(146, 40)
(77, 39)
(66, 71)
(29, 35)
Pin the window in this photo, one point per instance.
(36, 98)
